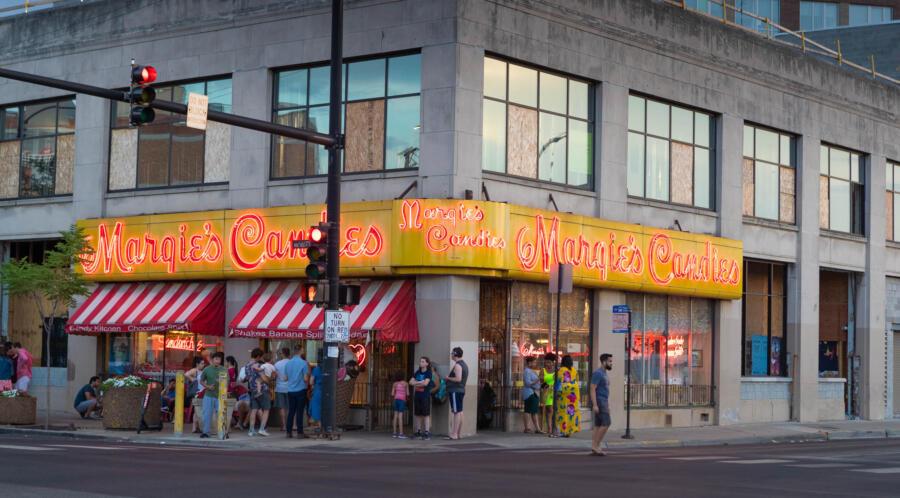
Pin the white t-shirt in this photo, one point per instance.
(281, 385)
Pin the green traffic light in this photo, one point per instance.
(142, 115)
(314, 271)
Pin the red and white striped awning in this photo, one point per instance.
(276, 311)
(197, 307)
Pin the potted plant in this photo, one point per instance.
(17, 407)
(122, 399)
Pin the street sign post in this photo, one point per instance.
(621, 324)
(560, 283)
(337, 326)
(621, 319)
(198, 105)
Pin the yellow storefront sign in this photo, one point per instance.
(416, 236)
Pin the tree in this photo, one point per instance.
(53, 284)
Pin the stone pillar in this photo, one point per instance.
(727, 373)
(803, 286)
(611, 160)
(250, 150)
(870, 303)
(607, 342)
(447, 309)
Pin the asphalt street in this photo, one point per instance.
(63, 467)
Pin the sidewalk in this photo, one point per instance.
(70, 425)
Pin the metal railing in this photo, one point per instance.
(662, 396)
(795, 39)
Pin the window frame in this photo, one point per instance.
(20, 138)
(171, 123)
(770, 299)
(884, 9)
(855, 217)
(774, 15)
(711, 148)
(792, 145)
(590, 121)
(822, 5)
(891, 167)
(345, 68)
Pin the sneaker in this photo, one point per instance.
(402, 436)
(204, 435)
(394, 436)
(262, 432)
(427, 436)
(417, 435)
(251, 434)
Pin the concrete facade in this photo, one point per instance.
(622, 45)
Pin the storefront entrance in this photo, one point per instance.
(837, 358)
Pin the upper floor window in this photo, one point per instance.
(670, 153)
(769, 179)
(166, 152)
(381, 117)
(818, 15)
(37, 149)
(770, 9)
(841, 190)
(711, 8)
(537, 124)
(869, 14)
(892, 202)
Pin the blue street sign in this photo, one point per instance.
(620, 319)
(620, 308)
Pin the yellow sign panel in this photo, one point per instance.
(417, 236)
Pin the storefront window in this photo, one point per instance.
(670, 350)
(764, 319)
(141, 353)
(533, 326)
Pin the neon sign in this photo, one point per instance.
(441, 235)
(180, 343)
(360, 351)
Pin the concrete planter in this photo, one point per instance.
(20, 410)
(122, 407)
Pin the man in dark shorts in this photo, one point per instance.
(600, 403)
(456, 390)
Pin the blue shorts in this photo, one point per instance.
(399, 405)
(456, 402)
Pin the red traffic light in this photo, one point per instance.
(309, 293)
(142, 75)
(316, 234)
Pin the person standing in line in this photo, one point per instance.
(600, 403)
(23, 360)
(422, 381)
(209, 379)
(401, 392)
(548, 380)
(281, 387)
(260, 401)
(456, 389)
(530, 389)
(297, 372)
(6, 369)
(314, 408)
(568, 409)
(194, 389)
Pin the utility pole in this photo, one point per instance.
(329, 375)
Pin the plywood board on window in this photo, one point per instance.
(9, 170)
(365, 136)
(25, 325)
(787, 195)
(123, 159)
(217, 156)
(682, 173)
(522, 137)
(823, 202)
(748, 187)
(65, 163)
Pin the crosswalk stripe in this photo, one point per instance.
(821, 465)
(80, 446)
(708, 457)
(759, 461)
(889, 470)
(26, 448)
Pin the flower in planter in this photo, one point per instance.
(128, 381)
(12, 393)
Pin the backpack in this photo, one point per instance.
(439, 393)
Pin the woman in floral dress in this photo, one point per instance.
(568, 411)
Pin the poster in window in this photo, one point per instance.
(119, 354)
(828, 359)
(697, 358)
(775, 357)
(758, 355)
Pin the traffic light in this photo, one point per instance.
(314, 293)
(140, 95)
(348, 294)
(317, 252)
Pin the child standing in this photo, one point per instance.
(401, 392)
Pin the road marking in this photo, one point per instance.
(889, 470)
(755, 462)
(708, 457)
(821, 465)
(27, 448)
(88, 447)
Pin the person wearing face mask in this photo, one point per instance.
(600, 403)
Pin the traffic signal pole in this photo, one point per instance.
(329, 374)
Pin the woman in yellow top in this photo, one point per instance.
(547, 382)
(568, 411)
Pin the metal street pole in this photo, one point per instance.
(329, 374)
(556, 398)
(627, 434)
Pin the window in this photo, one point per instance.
(764, 320)
(381, 116)
(166, 152)
(711, 8)
(770, 9)
(670, 153)
(671, 350)
(841, 190)
(868, 14)
(37, 149)
(769, 179)
(892, 202)
(537, 124)
(818, 15)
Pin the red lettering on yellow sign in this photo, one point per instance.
(439, 238)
